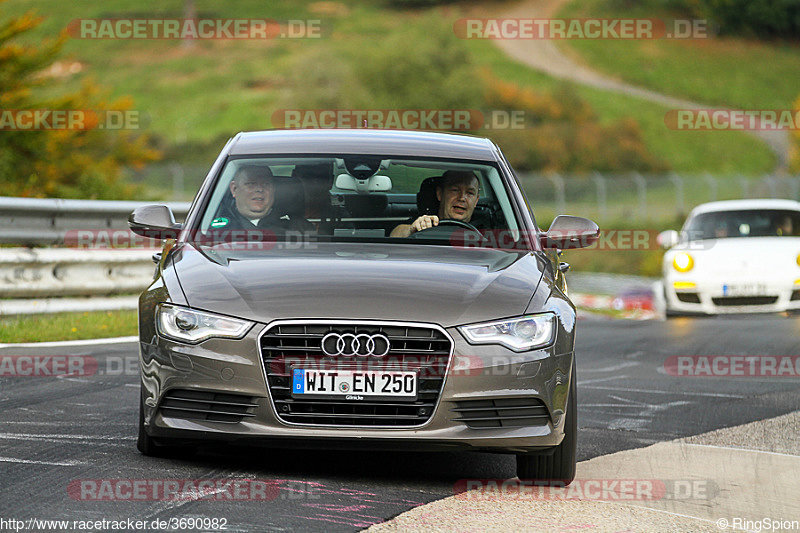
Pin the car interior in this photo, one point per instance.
(370, 213)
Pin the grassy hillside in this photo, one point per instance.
(728, 71)
(196, 97)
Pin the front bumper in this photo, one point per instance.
(708, 298)
(475, 373)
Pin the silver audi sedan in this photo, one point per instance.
(361, 288)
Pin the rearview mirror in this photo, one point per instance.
(668, 239)
(155, 222)
(346, 182)
(568, 231)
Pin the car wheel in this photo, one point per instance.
(555, 465)
(147, 444)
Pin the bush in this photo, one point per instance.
(761, 18)
(429, 68)
(562, 133)
(84, 163)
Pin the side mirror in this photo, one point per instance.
(568, 232)
(155, 222)
(668, 239)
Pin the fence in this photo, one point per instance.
(604, 197)
(48, 221)
(30, 277)
(642, 199)
(45, 280)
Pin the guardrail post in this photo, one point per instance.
(712, 186)
(602, 206)
(679, 201)
(558, 184)
(177, 181)
(773, 192)
(641, 185)
(745, 187)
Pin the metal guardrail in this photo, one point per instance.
(48, 279)
(37, 221)
(46, 272)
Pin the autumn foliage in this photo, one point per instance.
(84, 163)
(562, 133)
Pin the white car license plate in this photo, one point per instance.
(744, 289)
(343, 383)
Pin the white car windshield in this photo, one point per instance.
(744, 223)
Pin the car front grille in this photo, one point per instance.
(506, 413)
(795, 295)
(413, 347)
(723, 301)
(207, 405)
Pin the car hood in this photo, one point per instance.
(437, 284)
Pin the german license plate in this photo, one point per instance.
(354, 384)
(744, 289)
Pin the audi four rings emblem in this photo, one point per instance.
(350, 344)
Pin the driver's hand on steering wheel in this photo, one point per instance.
(424, 222)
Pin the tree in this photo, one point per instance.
(50, 162)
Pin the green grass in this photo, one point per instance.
(205, 94)
(720, 152)
(735, 72)
(68, 326)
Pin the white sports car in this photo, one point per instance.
(736, 256)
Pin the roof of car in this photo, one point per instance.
(738, 205)
(363, 141)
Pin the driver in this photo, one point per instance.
(457, 192)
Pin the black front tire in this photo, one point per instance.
(555, 466)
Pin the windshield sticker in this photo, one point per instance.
(219, 222)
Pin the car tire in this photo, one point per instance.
(147, 444)
(558, 465)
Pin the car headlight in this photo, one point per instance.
(191, 326)
(683, 262)
(518, 334)
(798, 260)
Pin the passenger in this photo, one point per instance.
(786, 228)
(457, 193)
(253, 192)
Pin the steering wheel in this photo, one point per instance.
(445, 232)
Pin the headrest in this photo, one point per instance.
(427, 203)
(289, 197)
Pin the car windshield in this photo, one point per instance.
(744, 223)
(361, 198)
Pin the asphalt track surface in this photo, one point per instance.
(54, 431)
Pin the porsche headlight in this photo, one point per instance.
(191, 326)
(683, 262)
(518, 334)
